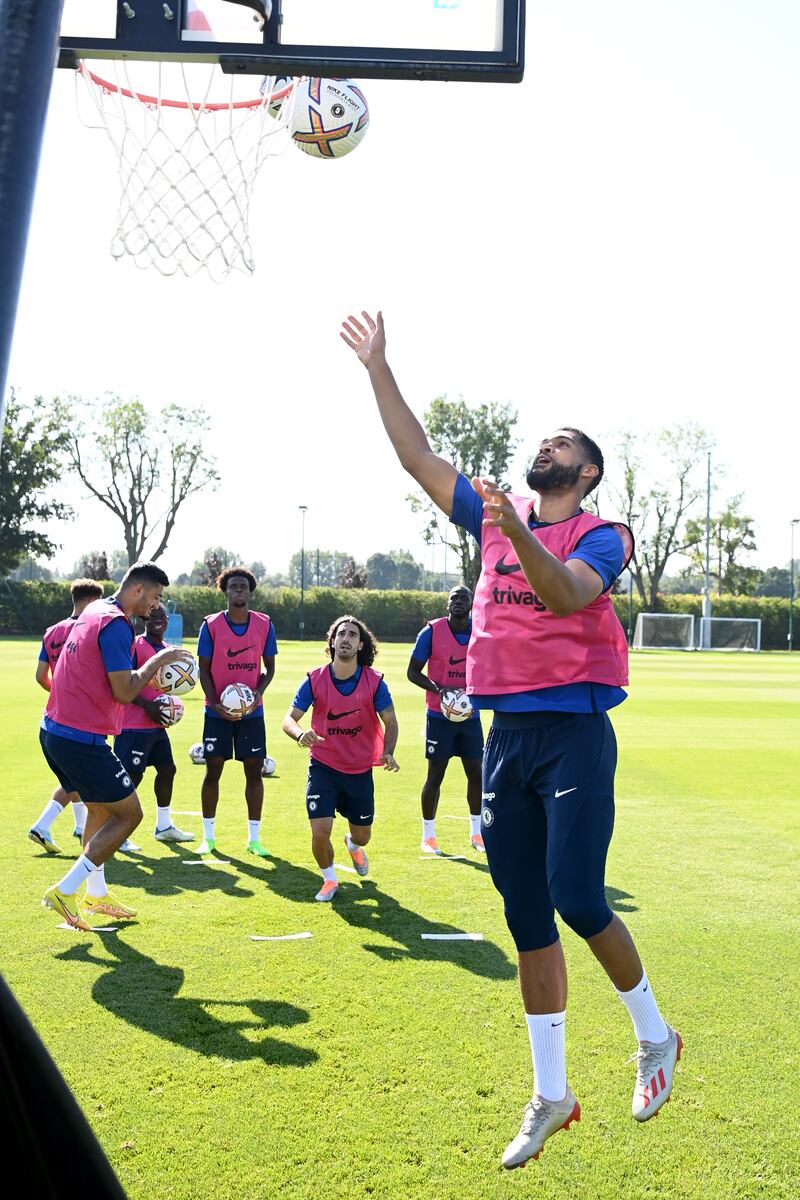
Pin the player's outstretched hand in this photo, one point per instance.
(173, 654)
(368, 341)
(308, 738)
(497, 507)
(389, 763)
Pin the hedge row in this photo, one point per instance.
(29, 606)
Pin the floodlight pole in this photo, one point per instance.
(707, 584)
(630, 607)
(792, 524)
(303, 510)
(29, 32)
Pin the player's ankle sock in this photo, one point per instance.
(548, 1047)
(208, 828)
(428, 829)
(648, 1024)
(79, 816)
(96, 882)
(163, 817)
(76, 875)
(351, 845)
(329, 874)
(253, 830)
(475, 825)
(51, 811)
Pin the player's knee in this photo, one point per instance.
(167, 771)
(214, 769)
(586, 916)
(530, 930)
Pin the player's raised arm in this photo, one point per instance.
(126, 685)
(434, 474)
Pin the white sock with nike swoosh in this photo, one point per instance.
(648, 1024)
(428, 830)
(549, 1050)
(475, 825)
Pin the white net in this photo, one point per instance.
(729, 633)
(189, 146)
(664, 631)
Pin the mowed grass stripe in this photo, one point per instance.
(367, 1062)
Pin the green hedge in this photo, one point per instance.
(29, 606)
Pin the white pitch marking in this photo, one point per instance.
(341, 867)
(446, 857)
(185, 812)
(93, 929)
(206, 862)
(452, 937)
(278, 937)
(450, 817)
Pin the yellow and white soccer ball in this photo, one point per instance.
(455, 704)
(237, 699)
(178, 678)
(329, 117)
(171, 708)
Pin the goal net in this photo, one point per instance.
(664, 631)
(729, 633)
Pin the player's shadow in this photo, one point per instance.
(616, 900)
(171, 877)
(145, 994)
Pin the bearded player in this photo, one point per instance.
(92, 683)
(232, 648)
(549, 656)
(442, 645)
(143, 741)
(82, 592)
(349, 702)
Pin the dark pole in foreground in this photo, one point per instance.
(303, 510)
(792, 524)
(29, 32)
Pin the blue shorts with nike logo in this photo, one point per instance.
(329, 791)
(453, 739)
(240, 739)
(547, 817)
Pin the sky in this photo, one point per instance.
(612, 244)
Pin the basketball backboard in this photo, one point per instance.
(360, 39)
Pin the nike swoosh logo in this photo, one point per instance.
(235, 653)
(504, 568)
(332, 716)
(555, 1024)
(58, 645)
(364, 817)
(565, 792)
(454, 661)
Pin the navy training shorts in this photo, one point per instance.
(138, 749)
(329, 791)
(90, 769)
(453, 739)
(240, 739)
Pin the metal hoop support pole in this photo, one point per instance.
(28, 51)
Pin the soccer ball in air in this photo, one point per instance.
(329, 117)
(197, 754)
(171, 708)
(178, 678)
(237, 698)
(269, 767)
(455, 704)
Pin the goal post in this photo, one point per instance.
(664, 631)
(729, 633)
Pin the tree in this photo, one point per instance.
(382, 571)
(32, 461)
(118, 565)
(732, 534)
(30, 569)
(215, 560)
(395, 569)
(773, 582)
(93, 565)
(657, 512)
(477, 441)
(139, 472)
(353, 576)
(323, 568)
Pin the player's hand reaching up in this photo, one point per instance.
(497, 507)
(368, 341)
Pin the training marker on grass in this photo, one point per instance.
(206, 862)
(279, 937)
(341, 867)
(446, 857)
(92, 929)
(452, 937)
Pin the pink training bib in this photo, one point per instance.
(81, 696)
(352, 730)
(134, 716)
(237, 659)
(447, 664)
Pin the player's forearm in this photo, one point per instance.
(207, 684)
(554, 584)
(422, 681)
(291, 728)
(405, 431)
(390, 734)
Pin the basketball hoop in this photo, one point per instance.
(187, 164)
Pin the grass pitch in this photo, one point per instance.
(368, 1062)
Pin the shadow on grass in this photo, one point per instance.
(615, 899)
(145, 994)
(171, 877)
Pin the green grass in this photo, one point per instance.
(364, 1062)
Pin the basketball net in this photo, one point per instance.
(187, 162)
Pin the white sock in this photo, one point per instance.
(648, 1024)
(79, 816)
(351, 845)
(548, 1047)
(475, 825)
(208, 828)
(51, 811)
(428, 829)
(78, 873)
(253, 830)
(96, 883)
(329, 874)
(163, 818)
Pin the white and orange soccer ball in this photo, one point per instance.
(455, 704)
(178, 678)
(237, 698)
(197, 753)
(171, 708)
(329, 117)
